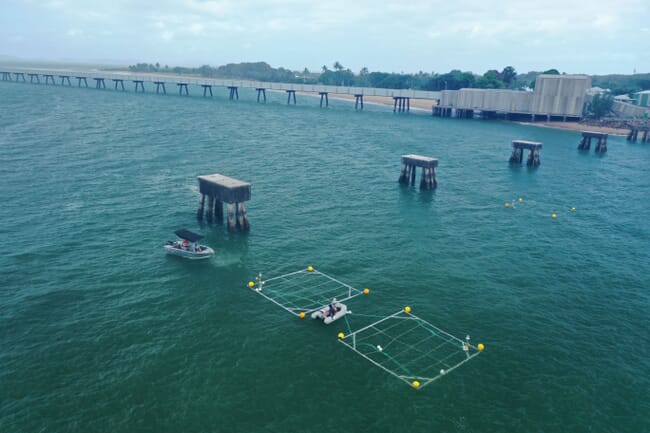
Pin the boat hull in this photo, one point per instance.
(323, 313)
(205, 253)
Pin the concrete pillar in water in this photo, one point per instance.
(261, 91)
(518, 147)
(409, 168)
(243, 224)
(199, 213)
(233, 192)
(231, 217)
(218, 210)
(210, 208)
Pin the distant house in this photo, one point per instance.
(624, 98)
(597, 91)
(642, 99)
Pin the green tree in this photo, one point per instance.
(489, 80)
(600, 105)
(508, 76)
(337, 66)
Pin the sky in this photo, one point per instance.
(594, 37)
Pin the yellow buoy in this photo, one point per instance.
(366, 291)
(573, 209)
(553, 215)
(310, 268)
(407, 309)
(301, 315)
(341, 335)
(507, 204)
(521, 200)
(251, 284)
(416, 384)
(480, 347)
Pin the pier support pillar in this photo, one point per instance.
(199, 213)
(139, 84)
(222, 189)
(120, 82)
(409, 168)
(517, 155)
(80, 79)
(242, 217)
(181, 87)
(234, 93)
(99, 83)
(261, 91)
(218, 210)
(323, 96)
(291, 93)
(518, 147)
(159, 85)
(401, 104)
(533, 158)
(210, 208)
(65, 79)
(231, 217)
(49, 77)
(6, 76)
(206, 87)
(31, 78)
(585, 141)
(20, 77)
(358, 101)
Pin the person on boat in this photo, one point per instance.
(185, 243)
(332, 308)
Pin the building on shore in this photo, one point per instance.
(556, 97)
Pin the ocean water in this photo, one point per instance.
(100, 331)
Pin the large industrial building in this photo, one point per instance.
(556, 97)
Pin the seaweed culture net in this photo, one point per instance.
(303, 291)
(410, 348)
(402, 344)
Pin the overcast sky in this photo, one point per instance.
(573, 36)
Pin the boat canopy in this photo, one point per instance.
(186, 234)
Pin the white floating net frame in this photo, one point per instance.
(303, 291)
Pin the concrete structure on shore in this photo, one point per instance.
(556, 97)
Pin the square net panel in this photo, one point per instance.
(410, 348)
(304, 291)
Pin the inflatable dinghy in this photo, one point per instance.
(324, 313)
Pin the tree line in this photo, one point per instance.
(338, 75)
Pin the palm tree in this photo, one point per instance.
(338, 66)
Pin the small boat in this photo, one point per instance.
(325, 313)
(188, 246)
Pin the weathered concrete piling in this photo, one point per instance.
(219, 189)
(634, 134)
(585, 141)
(409, 164)
(518, 147)
(401, 104)
(358, 101)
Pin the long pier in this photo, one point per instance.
(150, 83)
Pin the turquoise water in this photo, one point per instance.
(101, 332)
